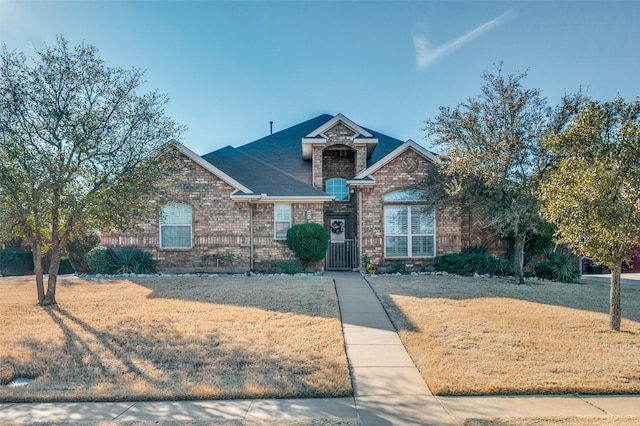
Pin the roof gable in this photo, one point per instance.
(345, 121)
(321, 136)
(410, 144)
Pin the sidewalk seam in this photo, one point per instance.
(581, 398)
(128, 408)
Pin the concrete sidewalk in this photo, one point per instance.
(388, 389)
(627, 279)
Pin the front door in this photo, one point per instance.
(342, 253)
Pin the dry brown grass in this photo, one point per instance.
(173, 338)
(311, 422)
(475, 336)
(555, 421)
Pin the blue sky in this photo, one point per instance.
(231, 67)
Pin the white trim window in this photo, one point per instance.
(281, 220)
(409, 228)
(338, 188)
(175, 226)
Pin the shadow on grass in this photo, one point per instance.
(586, 297)
(312, 296)
(157, 362)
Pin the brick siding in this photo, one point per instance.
(220, 228)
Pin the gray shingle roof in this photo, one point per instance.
(274, 165)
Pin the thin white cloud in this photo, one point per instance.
(425, 55)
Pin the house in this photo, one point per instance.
(229, 210)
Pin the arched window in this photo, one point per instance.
(175, 226)
(409, 225)
(338, 187)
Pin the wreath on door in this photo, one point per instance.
(337, 227)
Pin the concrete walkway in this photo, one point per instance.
(388, 389)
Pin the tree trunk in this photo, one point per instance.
(518, 258)
(36, 250)
(615, 312)
(54, 267)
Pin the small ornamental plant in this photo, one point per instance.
(309, 241)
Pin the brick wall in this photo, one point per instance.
(338, 163)
(405, 171)
(221, 227)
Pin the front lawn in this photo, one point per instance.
(173, 338)
(481, 336)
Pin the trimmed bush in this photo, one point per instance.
(309, 241)
(77, 249)
(16, 262)
(101, 260)
(469, 264)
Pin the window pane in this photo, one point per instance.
(422, 246)
(395, 220)
(422, 220)
(406, 195)
(281, 230)
(175, 236)
(175, 214)
(282, 212)
(338, 188)
(281, 220)
(396, 247)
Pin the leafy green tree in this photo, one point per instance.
(593, 193)
(492, 155)
(78, 149)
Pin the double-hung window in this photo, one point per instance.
(281, 220)
(175, 226)
(409, 227)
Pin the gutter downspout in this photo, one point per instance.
(359, 225)
(251, 235)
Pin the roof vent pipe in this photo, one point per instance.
(271, 127)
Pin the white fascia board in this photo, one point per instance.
(235, 196)
(213, 169)
(329, 124)
(294, 199)
(358, 182)
(264, 198)
(315, 141)
(395, 153)
(365, 141)
(308, 144)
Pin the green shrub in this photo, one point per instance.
(133, 261)
(544, 270)
(396, 267)
(290, 268)
(469, 264)
(77, 249)
(309, 241)
(65, 267)
(101, 260)
(476, 249)
(16, 262)
(564, 270)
